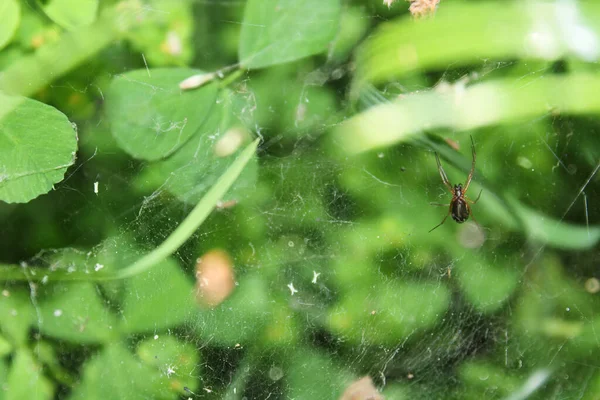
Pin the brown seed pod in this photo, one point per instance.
(215, 278)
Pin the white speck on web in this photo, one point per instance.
(170, 370)
(292, 289)
(315, 276)
(57, 313)
(98, 267)
(96, 187)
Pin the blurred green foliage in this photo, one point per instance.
(114, 181)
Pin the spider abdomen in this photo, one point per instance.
(460, 211)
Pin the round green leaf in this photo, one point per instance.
(275, 32)
(10, 11)
(71, 14)
(37, 145)
(150, 116)
(75, 313)
(197, 165)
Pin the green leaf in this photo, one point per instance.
(71, 14)
(5, 347)
(488, 30)
(239, 319)
(158, 299)
(313, 375)
(16, 316)
(166, 38)
(279, 31)
(74, 312)
(183, 232)
(178, 360)
(34, 72)
(150, 116)
(197, 165)
(116, 374)
(461, 108)
(10, 10)
(392, 314)
(26, 379)
(37, 145)
(556, 233)
(486, 285)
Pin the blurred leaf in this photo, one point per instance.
(493, 380)
(46, 354)
(488, 30)
(25, 379)
(486, 285)
(115, 374)
(287, 104)
(158, 299)
(70, 14)
(165, 37)
(150, 116)
(37, 145)
(16, 316)
(394, 313)
(174, 358)
(10, 10)
(556, 233)
(354, 23)
(197, 165)
(32, 73)
(311, 375)
(5, 348)
(275, 32)
(463, 108)
(74, 312)
(239, 319)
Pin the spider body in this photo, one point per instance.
(459, 205)
(460, 210)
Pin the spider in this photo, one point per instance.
(459, 205)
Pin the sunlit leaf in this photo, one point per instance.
(71, 14)
(488, 30)
(275, 32)
(10, 10)
(150, 116)
(462, 108)
(37, 145)
(26, 379)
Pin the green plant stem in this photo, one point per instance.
(31, 74)
(183, 232)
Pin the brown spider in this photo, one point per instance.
(459, 205)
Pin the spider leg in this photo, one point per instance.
(472, 216)
(443, 174)
(444, 220)
(472, 167)
(478, 196)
